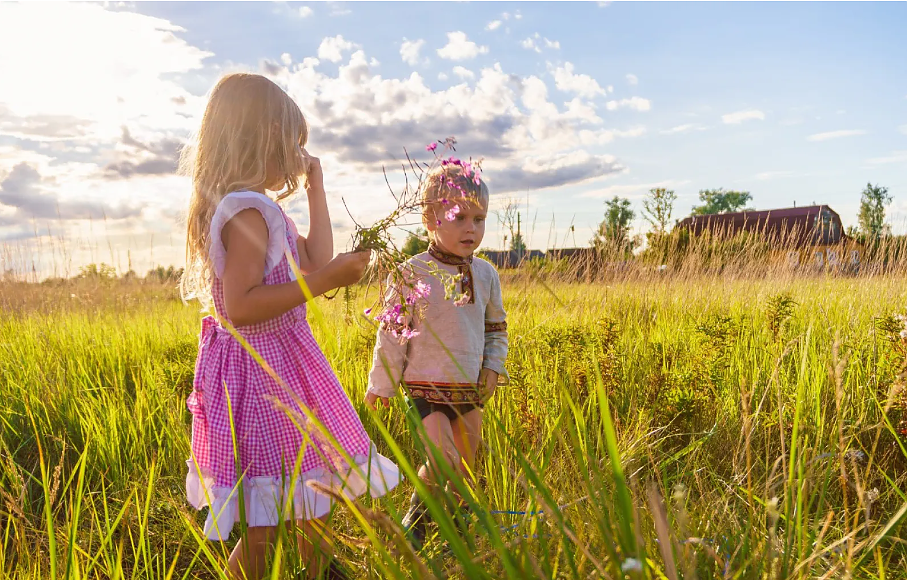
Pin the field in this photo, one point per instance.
(681, 427)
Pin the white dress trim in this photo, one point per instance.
(232, 204)
(268, 500)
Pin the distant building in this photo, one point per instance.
(811, 235)
(511, 258)
(585, 263)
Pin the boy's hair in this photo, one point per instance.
(248, 120)
(454, 183)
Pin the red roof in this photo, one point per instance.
(809, 224)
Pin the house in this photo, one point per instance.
(811, 235)
(511, 258)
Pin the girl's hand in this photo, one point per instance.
(372, 398)
(488, 382)
(314, 175)
(348, 268)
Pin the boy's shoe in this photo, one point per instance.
(415, 522)
(335, 571)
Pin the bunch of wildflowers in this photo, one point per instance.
(390, 265)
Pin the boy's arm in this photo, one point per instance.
(496, 331)
(389, 357)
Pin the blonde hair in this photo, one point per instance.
(248, 120)
(453, 183)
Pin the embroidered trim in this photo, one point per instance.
(448, 393)
(496, 327)
(464, 267)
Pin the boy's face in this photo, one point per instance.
(462, 235)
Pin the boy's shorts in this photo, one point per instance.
(425, 408)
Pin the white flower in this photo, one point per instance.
(631, 565)
(872, 495)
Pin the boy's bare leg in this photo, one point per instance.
(467, 436)
(439, 432)
(439, 435)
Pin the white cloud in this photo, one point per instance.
(463, 73)
(632, 79)
(337, 9)
(410, 50)
(493, 25)
(459, 47)
(635, 103)
(529, 44)
(305, 11)
(535, 42)
(605, 136)
(679, 129)
(286, 58)
(442, 76)
(578, 109)
(84, 81)
(367, 120)
(895, 157)
(568, 81)
(333, 47)
(827, 136)
(741, 116)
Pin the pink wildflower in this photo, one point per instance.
(451, 214)
(367, 311)
(422, 289)
(463, 300)
(409, 333)
(431, 147)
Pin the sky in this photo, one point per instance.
(569, 104)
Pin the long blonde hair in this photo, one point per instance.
(248, 120)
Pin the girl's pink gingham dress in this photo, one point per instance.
(269, 427)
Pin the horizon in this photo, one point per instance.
(570, 105)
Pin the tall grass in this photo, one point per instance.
(654, 427)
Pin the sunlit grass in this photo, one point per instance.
(700, 427)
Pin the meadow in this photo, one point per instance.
(694, 426)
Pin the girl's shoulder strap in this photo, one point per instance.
(238, 201)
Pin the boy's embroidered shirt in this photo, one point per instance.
(442, 362)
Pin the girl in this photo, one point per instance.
(264, 427)
(453, 361)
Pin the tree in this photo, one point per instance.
(415, 243)
(658, 207)
(509, 217)
(516, 239)
(100, 271)
(872, 210)
(614, 231)
(161, 274)
(721, 201)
